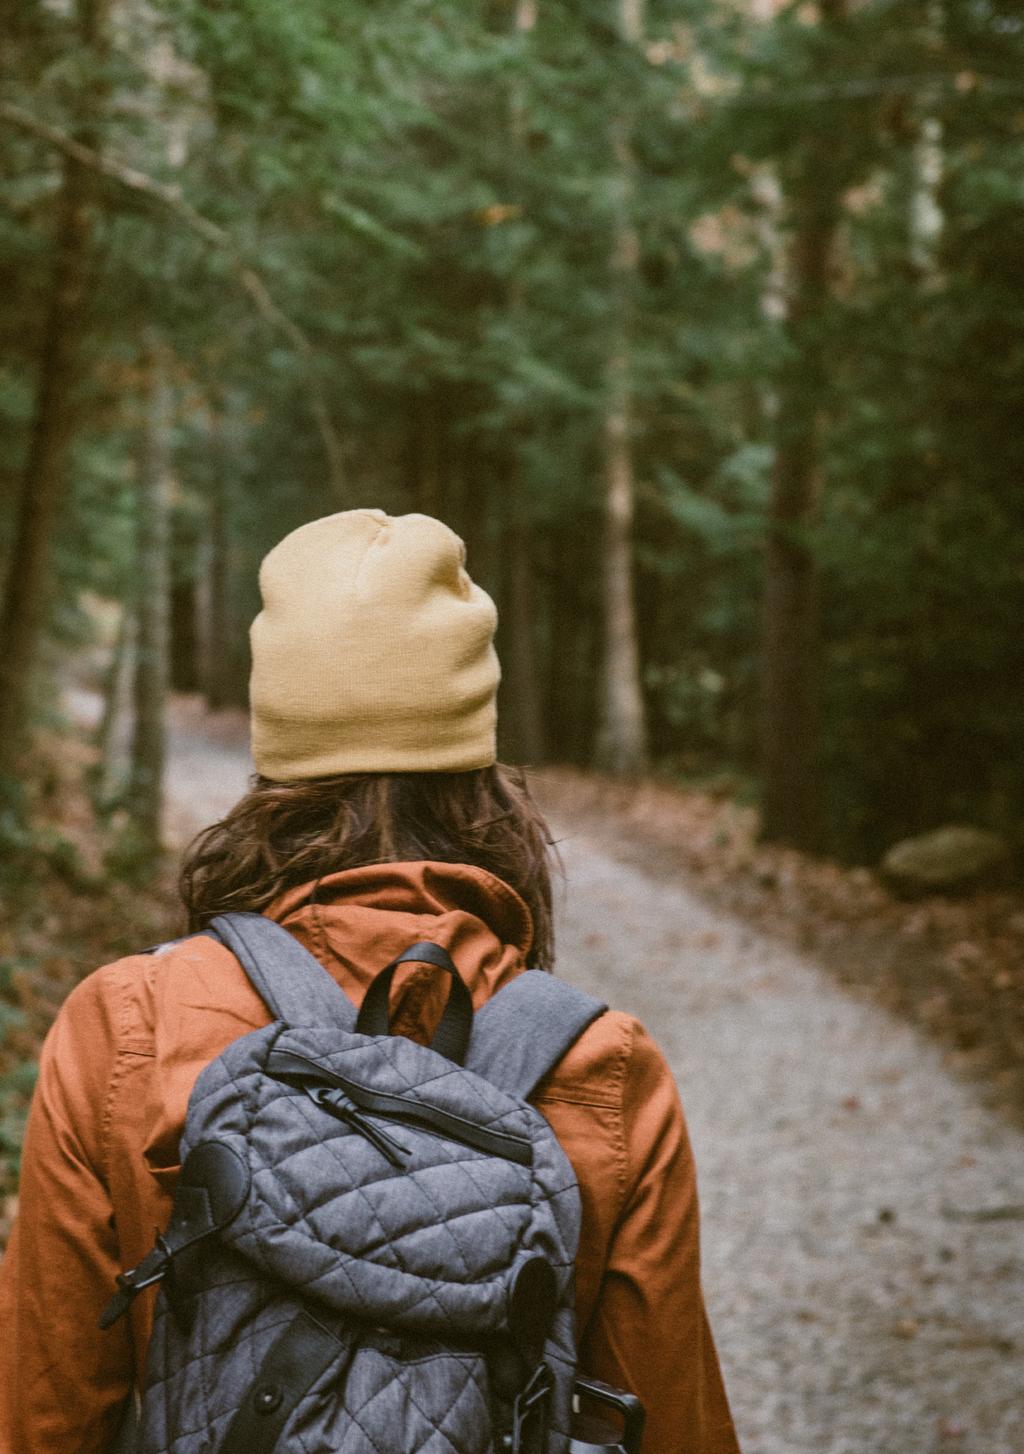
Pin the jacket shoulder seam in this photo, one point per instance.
(119, 980)
(621, 1149)
(565, 1100)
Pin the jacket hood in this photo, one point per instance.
(354, 922)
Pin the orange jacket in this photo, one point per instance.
(101, 1156)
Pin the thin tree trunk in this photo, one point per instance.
(41, 499)
(216, 617)
(790, 665)
(522, 713)
(184, 637)
(429, 483)
(574, 657)
(789, 646)
(622, 733)
(928, 163)
(218, 664)
(483, 543)
(926, 220)
(116, 704)
(521, 696)
(153, 607)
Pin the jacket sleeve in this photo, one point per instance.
(62, 1380)
(649, 1330)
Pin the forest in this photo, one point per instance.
(698, 319)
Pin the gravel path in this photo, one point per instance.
(863, 1214)
(862, 1299)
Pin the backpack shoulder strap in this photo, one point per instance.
(293, 985)
(526, 1028)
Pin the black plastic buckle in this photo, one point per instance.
(592, 1439)
(530, 1413)
(152, 1268)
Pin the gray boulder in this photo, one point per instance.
(948, 860)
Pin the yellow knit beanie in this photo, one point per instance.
(373, 652)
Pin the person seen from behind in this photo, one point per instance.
(378, 817)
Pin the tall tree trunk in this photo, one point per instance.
(117, 693)
(790, 665)
(184, 609)
(574, 655)
(429, 455)
(622, 733)
(925, 220)
(40, 502)
(481, 507)
(184, 637)
(522, 714)
(215, 646)
(925, 212)
(522, 708)
(153, 603)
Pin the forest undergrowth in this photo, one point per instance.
(63, 913)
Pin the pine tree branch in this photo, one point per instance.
(215, 236)
(933, 87)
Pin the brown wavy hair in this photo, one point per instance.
(281, 835)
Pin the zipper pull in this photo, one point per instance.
(337, 1104)
(385, 1143)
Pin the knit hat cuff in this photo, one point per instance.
(289, 750)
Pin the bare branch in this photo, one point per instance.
(170, 198)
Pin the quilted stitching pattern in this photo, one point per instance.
(428, 1249)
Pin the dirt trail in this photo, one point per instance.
(863, 1213)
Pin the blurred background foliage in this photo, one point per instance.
(751, 270)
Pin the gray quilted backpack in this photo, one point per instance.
(372, 1243)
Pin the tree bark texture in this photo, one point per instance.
(622, 732)
(429, 458)
(521, 715)
(184, 637)
(522, 705)
(622, 735)
(41, 498)
(790, 648)
(925, 209)
(216, 633)
(574, 652)
(117, 692)
(153, 601)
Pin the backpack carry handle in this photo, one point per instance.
(451, 1039)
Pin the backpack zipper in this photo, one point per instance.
(337, 1102)
(292, 1068)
